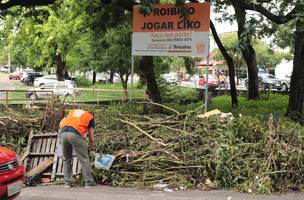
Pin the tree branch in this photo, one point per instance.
(230, 64)
(24, 3)
(278, 19)
(219, 43)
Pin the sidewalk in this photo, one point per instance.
(110, 193)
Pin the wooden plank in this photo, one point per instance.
(44, 144)
(42, 150)
(48, 145)
(28, 149)
(40, 168)
(41, 147)
(50, 168)
(34, 145)
(46, 174)
(24, 156)
(44, 147)
(54, 169)
(38, 149)
(45, 150)
(40, 154)
(34, 148)
(45, 135)
(53, 145)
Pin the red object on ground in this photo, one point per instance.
(45, 180)
(11, 174)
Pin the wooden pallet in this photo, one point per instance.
(43, 146)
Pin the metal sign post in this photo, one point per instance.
(132, 75)
(206, 83)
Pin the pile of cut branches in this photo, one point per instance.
(185, 151)
(181, 149)
(15, 125)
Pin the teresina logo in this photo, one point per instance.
(181, 46)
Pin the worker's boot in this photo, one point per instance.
(90, 185)
(68, 185)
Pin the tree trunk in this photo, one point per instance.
(248, 54)
(189, 65)
(66, 73)
(124, 83)
(237, 75)
(296, 95)
(112, 76)
(94, 77)
(147, 67)
(231, 67)
(60, 71)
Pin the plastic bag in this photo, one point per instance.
(104, 161)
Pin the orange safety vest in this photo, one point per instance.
(79, 120)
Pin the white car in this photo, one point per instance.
(4, 69)
(170, 79)
(40, 81)
(57, 88)
(285, 82)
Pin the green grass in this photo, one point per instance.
(179, 95)
(108, 92)
(89, 93)
(276, 105)
(181, 99)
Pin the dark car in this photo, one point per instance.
(267, 81)
(29, 79)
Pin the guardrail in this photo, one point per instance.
(92, 95)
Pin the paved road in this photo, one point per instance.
(57, 192)
(5, 84)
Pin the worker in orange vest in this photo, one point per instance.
(74, 129)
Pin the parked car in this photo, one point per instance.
(39, 81)
(44, 80)
(267, 81)
(4, 69)
(15, 75)
(30, 77)
(212, 80)
(285, 82)
(57, 88)
(11, 174)
(170, 79)
(24, 74)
